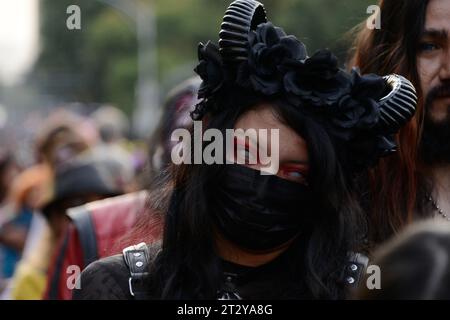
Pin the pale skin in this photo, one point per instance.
(433, 60)
(293, 166)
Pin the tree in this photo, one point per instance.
(98, 62)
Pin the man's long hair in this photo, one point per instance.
(393, 49)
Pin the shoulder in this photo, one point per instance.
(109, 278)
(105, 279)
(355, 269)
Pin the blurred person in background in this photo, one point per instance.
(105, 227)
(27, 189)
(112, 124)
(76, 182)
(414, 183)
(415, 265)
(18, 215)
(180, 102)
(13, 227)
(84, 179)
(57, 142)
(9, 169)
(61, 139)
(113, 128)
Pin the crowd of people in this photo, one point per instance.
(80, 160)
(363, 158)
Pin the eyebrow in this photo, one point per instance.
(301, 162)
(435, 33)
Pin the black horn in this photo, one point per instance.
(241, 17)
(399, 105)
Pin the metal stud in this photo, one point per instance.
(137, 254)
(350, 280)
(436, 207)
(139, 264)
(353, 267)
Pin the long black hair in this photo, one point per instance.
(188, 266)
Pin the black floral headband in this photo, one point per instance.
(362, 112)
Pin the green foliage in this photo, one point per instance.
(99, 62)
(95, 64)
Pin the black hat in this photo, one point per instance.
(85, 176)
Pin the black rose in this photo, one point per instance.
(352, 113)
(355, 119)
(370, 85)
(210, 69)
(360, 108)
(318, 80)
(269, 49)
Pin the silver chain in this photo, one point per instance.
(436, 207)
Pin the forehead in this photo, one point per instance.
(438, 15)
(291, 145)
(260, 117)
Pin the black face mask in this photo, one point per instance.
(260, 212)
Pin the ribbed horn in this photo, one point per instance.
(399, 106)
(241, 17)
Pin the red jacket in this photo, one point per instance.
(95, 231)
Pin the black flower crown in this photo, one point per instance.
(259, 57)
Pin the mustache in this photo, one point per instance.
(441, 91)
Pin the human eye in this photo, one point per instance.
(295, 174)
(428, 46)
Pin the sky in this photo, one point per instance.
(19, 32)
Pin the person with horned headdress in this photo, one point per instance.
(236, 231)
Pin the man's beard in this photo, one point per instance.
(435, 142)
